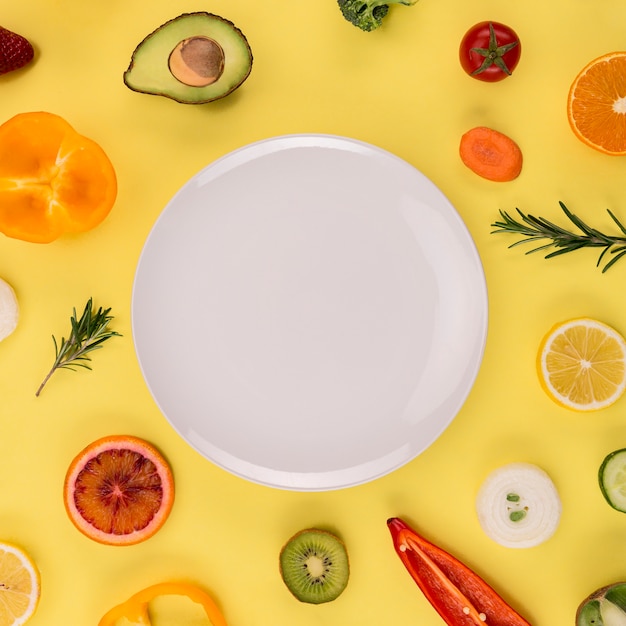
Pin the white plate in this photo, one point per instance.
(309, 312)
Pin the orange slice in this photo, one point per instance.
(119, 490)
(53, 180)
(20, 586)
(596, 105)
(582, 364)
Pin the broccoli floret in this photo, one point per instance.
(368, 14)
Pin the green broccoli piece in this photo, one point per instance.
(368, 14)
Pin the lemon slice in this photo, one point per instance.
(518, 506)
(19, 586)
(9, 310)
(582, 364)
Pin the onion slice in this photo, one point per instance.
(518, 506)
(9, 310)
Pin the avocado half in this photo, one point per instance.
(194, 58)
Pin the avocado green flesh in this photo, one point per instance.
(149, 71)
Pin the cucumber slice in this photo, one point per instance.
(612, 478)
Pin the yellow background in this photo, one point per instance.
(402, 89)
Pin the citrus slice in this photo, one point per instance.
(20, 586)
(582, 364)
(596, 104)
(53, 180)
(119, 490)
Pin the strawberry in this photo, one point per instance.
(15, 51)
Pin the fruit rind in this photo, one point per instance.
(127, 442)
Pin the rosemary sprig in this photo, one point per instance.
(88, 333)
(534, 229)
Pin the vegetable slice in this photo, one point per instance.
(518, 506)
(9, 310)
(136, 609)
(459, 595)
(612, 477)
(491, 154)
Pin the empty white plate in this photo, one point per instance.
(309, 312)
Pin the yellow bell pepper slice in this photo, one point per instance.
(135, 611)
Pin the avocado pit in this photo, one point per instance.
(197, 61)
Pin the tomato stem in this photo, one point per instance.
(494, 53)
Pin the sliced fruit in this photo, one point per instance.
(582, 364)
(612, 478)
(604, 607)
(194, 58)
(9, 310)
(596, 104)
(20, 586)
(119, 490)
(518, 506)
(314, 565)
(52, 179)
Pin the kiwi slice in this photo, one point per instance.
(604, 607)
(314, 565)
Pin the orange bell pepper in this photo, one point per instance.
(53, 180)
(459, 595)
(135, 609)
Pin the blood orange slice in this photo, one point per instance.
(119, 490)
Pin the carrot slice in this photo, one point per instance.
(491, 154)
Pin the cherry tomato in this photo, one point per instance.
(490, 51)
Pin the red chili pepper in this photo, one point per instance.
(458, 594)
